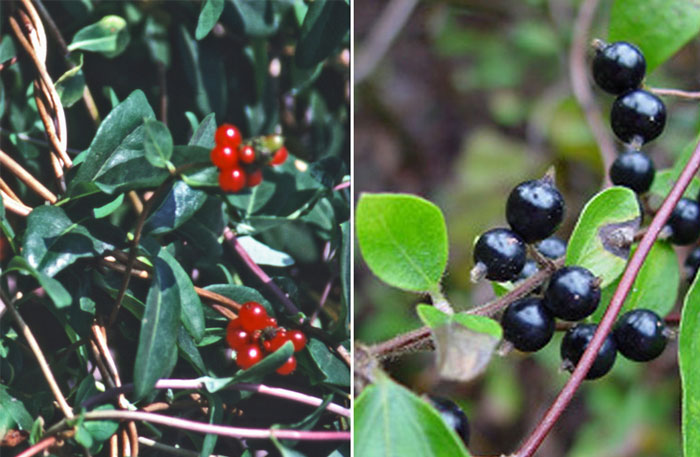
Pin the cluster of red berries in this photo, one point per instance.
(254, 334)
(240, 163)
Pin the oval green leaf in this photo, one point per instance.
(109, 36)
(326, 24)
(597, 242)
(157, 142)
(391, 421)
(689, 365)
(176, 208)
(403, 239)
(211, 10)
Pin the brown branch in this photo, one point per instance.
(39, 447)
(14, 206)
(682, 94)
(625, 285)
(582, 89)
(26, 177)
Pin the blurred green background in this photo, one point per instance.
(471, 98)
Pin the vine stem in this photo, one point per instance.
(196, 384)
(43, 364)
(200, 427)
(582, 90)
(38, 447)
(675, 93)
(627, 280)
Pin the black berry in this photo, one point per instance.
(633, 169)
(528, 324)
(638, 114)
(576, 341)
(501, 252)
(529, 269)
(685, 222)
(573, 293)
(552, 247)
(618, 67)
(535, 209)
(692, 263)
(639, 335)
(452, 415)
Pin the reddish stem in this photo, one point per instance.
(626, 282)
(39, 447)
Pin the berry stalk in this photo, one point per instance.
(627, 280)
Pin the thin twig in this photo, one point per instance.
(43, 364)
(15, 206)
(194, 384)
(26, 177)
(582, 89)
(257, 271)
(8, 63)
(626, 282)
(682, 94)
(38, 447)
(206, 428)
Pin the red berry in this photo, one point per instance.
(280, 156)
(224, 156)
(248, 356)
(254, 178)
(232, 179)
(253, 316)
(228, 135)
(289, 366)
(236, 336)
(298, 339)
(246, 154)
(276, 341)
(271, 322)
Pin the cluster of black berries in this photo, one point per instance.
(534, 211)
(638, 117)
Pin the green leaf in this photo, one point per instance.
(108, 208)
(241, 294)
(71, 85)
(158, 335)
(345, 269)
(403, 239)
(689, 366)
(215, 416)
(109, 36)
(664, 181)
(211, 10)
(326, 24)
(391, 421)
(190, 351)
(116, 158)
(656, 285)
(260, 17)
(658, 27)
(204, 135)
(53, 242)
(263, 254)
(602, 236)
(334, 370)
(158, 143)
(178, 206)
(464, 342)
(55, 290)
(12, 412)
(103, 429)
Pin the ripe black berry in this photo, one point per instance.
(452, 415)
(528, 324)
(552, 247)
(573, 293)
(501, 252)
(535, 209)
(633, 169)
(639, 335)
(638, 113)
(575, 343)
(692, 263)
(684, 222)
(529, 269)
(618, 67)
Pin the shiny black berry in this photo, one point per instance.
(535, 209)
(501, 252)
(528, 324)
(638, 114)
(692, 263)
(684, 222)
(552, 247)
(633, 169)
(639, 335)
(573, 293)
(619, 67)
(576, 341)
(452, 415)
(529, 269)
